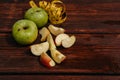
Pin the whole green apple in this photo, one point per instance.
(24, 31)
(38, 15)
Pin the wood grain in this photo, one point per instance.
(94, 56)
(91, 53)
(64, 77)
(95, 17)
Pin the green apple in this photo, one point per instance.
(38, 15)
(24, 31)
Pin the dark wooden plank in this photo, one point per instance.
(57, 77)
(88, 16)
(93, 18)
(66, 1)
(92, 53)
(96, 53)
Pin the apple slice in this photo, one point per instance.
(56, 55)
(51, 42)
(55, 30)
(44, 33)
(68, 42)
(38, 49)
(46, 60)
(59, 38)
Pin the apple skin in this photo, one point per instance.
(24, 32)
(46, 60)
(38, 15)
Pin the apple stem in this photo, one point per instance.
(26, 27)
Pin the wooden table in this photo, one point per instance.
(94, 56)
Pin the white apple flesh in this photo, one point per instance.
(44, 32)
(56, 55)
(68, 42)
(51, 42)
(55, 30)
(59, 38)
(38, 49)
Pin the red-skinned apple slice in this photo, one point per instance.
(55, 30)
(46, 60)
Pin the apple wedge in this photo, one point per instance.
(51, 42)
(38, 49)
(68, 42)
(56, 55)
(46, 60)
(59, 38)
(44, 32)
(55, 30)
